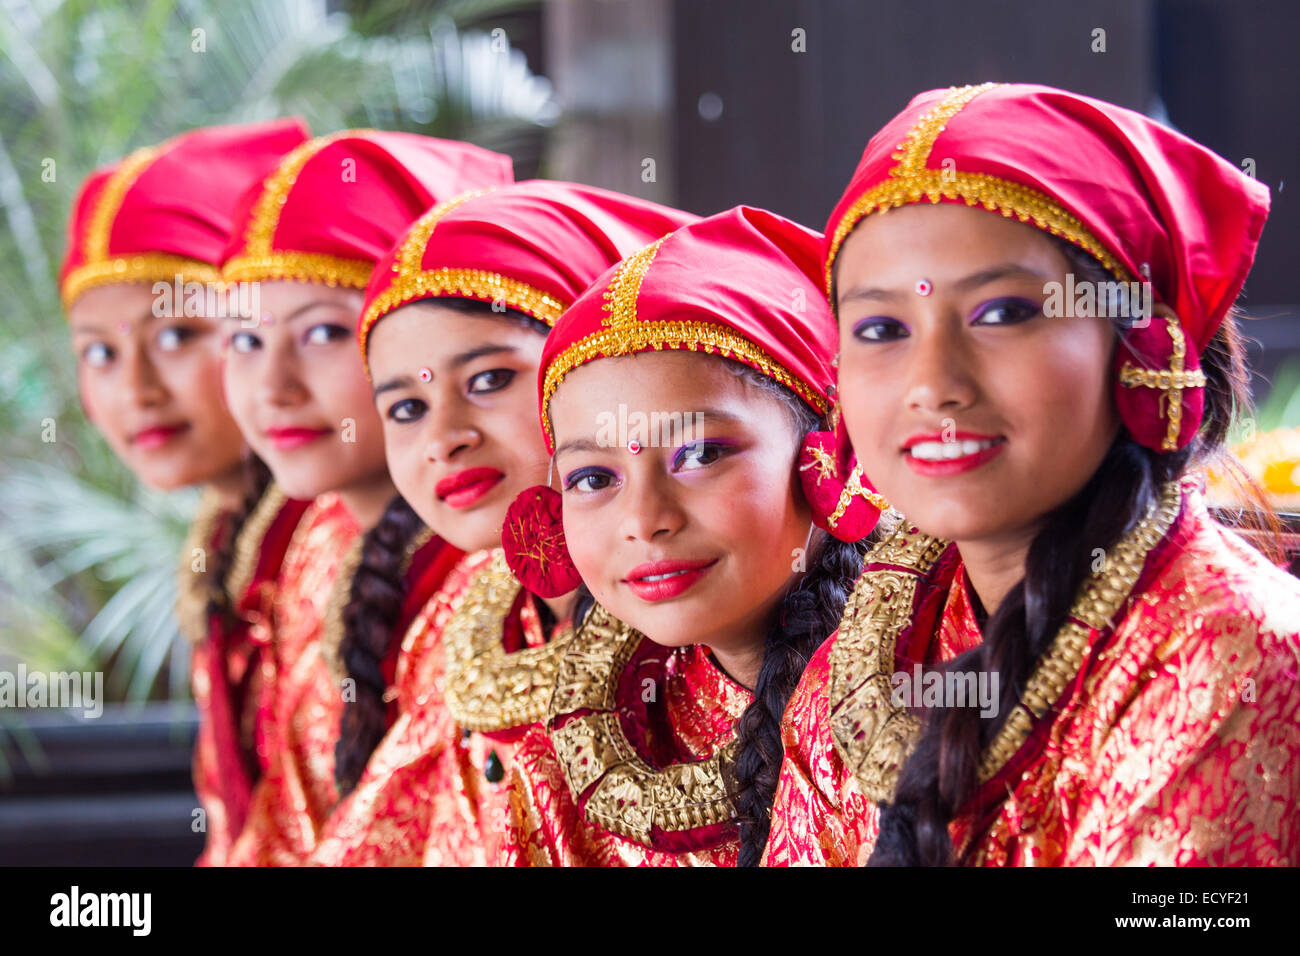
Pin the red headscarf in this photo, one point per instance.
(331, 209)
(169, 210)
(532, 246)
(1145, 201)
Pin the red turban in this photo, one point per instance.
(533, 246)
(330, 210)
(169, 210)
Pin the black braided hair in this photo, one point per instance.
(379, 590)
(369, 627)
(941, 775)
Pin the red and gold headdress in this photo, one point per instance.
(532, 246)
(331, 209)
(742, 285)
(1148, 203)
(169, 210)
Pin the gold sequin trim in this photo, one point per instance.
(630, 798)
(488, 688)
(874, 736)
(911, 181)
(656, 336)
(301, 267)
(1171, 382)
(853, 488)
(193, 590)
(99, 226)
(146, 267)
(621, 294)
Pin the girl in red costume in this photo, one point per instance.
(1042, 427)
(453, 330)
(306, 241)
(676, 395)
(139, 284)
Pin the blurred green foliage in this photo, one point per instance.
(87, 557)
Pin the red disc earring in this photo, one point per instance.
(534, 544)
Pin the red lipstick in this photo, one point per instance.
(286, 439)
(939, 455)
(664, 580)
(157, 436)
(465, 488)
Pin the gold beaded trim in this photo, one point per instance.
(99, 226)
(911, 181)
(488, 688)
(145, 267)
(299, 266)
(248, 542)
(193, 590)
(853, 488)
(872, 735)
(690, 336)
(1171, 382)
(259, 258)
(621, 294)
(630, 798)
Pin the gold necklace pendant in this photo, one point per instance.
(616, 789)
(487, 687)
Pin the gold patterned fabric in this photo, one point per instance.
(1175, 741)
(650, 741)
(296, 793)
(432, 792)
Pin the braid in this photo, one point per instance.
(369, 628)
(941, 774)
(809, 613)
(257, 478)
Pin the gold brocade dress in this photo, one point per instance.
(475, 671)
(1164, 727)
(629, 769)
(227, 656)
(297, 791)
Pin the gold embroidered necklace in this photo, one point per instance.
(873, 735)
(489, 688)
(615, 788)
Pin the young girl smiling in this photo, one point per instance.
(149, 373)
(661, 744)
(308, 238)
(1056, 536)
(452, 331)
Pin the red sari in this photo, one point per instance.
(1175, 738)
(628, 770)
(226, 662)
(475, 671)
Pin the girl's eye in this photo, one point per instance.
(173, 337)
(1008, 311)
(492, 380)
(326, 333)
(407, 410)
(699, 454)
(589, 480)
(97, 354)
(245, 342)
(879, 328)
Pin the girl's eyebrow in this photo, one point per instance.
(1008, 270)
(91, 327)
(464, 358)
(580, 444)
(402, 381)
